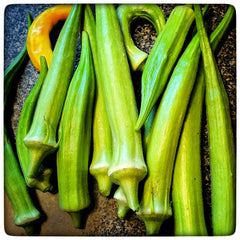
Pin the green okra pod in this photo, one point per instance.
(221, 140)
(75, 137)
(42, 180)
(187, 184)
(127, 13)
(41, 139)
(128, 166)
(102, 135)
(155, 204)
(162, 58)
(25, 213)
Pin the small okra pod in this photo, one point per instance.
(102, 135)
(127, 13)
(75, 137)
(221, 139)
(162, 58)
(41, 139)
(128, 167)
(42, 180)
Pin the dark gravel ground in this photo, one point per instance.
(101, 217)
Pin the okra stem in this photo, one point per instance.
(127, 13)
(221, 141)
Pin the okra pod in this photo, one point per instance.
(41, 139)
(25, 213)
(127, 13)
(42, 180)
(128, 166)
(155, 205)
(102, 135)
(162, 58)
(75, 137)
(221, 140)
(187, 183)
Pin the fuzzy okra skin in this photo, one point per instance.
(102, 135)
(162, 58)
(221, 140)
(187, 185)
(41, 138)
(75, 137)
(155, 204)
(127, 13)
(128, 167)
(42, 180)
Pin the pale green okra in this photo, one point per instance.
(102, 135)
(128, 167)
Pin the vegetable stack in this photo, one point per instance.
(139, 140)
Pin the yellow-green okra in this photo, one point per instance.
(127, 13)
(221, 140)
(75, 133)
(187, 184)
(102, 135)
(155, 205)
(162, 58)
(128, 166)
(42, 179)
(41, 139)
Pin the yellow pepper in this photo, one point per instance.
(38, 40)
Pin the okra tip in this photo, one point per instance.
(130, 189)
(104, 185)
(76, 219)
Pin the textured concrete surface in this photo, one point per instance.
(101, 217)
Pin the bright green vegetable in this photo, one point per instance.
(127, 13)
(128, 167)
(162, 58)
(42, 180)
(75, 137)
(221, 141)
(102, 136)
(155, 205)
(25, 213)
(187, 184)
(41, 139)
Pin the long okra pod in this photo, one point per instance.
(155, 205)
(128, 166)
(40, 182)
(75, 137)
(221, 140)
(128, 13)
(102, 135)
(162, 58)
(187, 185)
(25, 213)
(41, 139)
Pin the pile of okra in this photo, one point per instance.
(141, 140)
